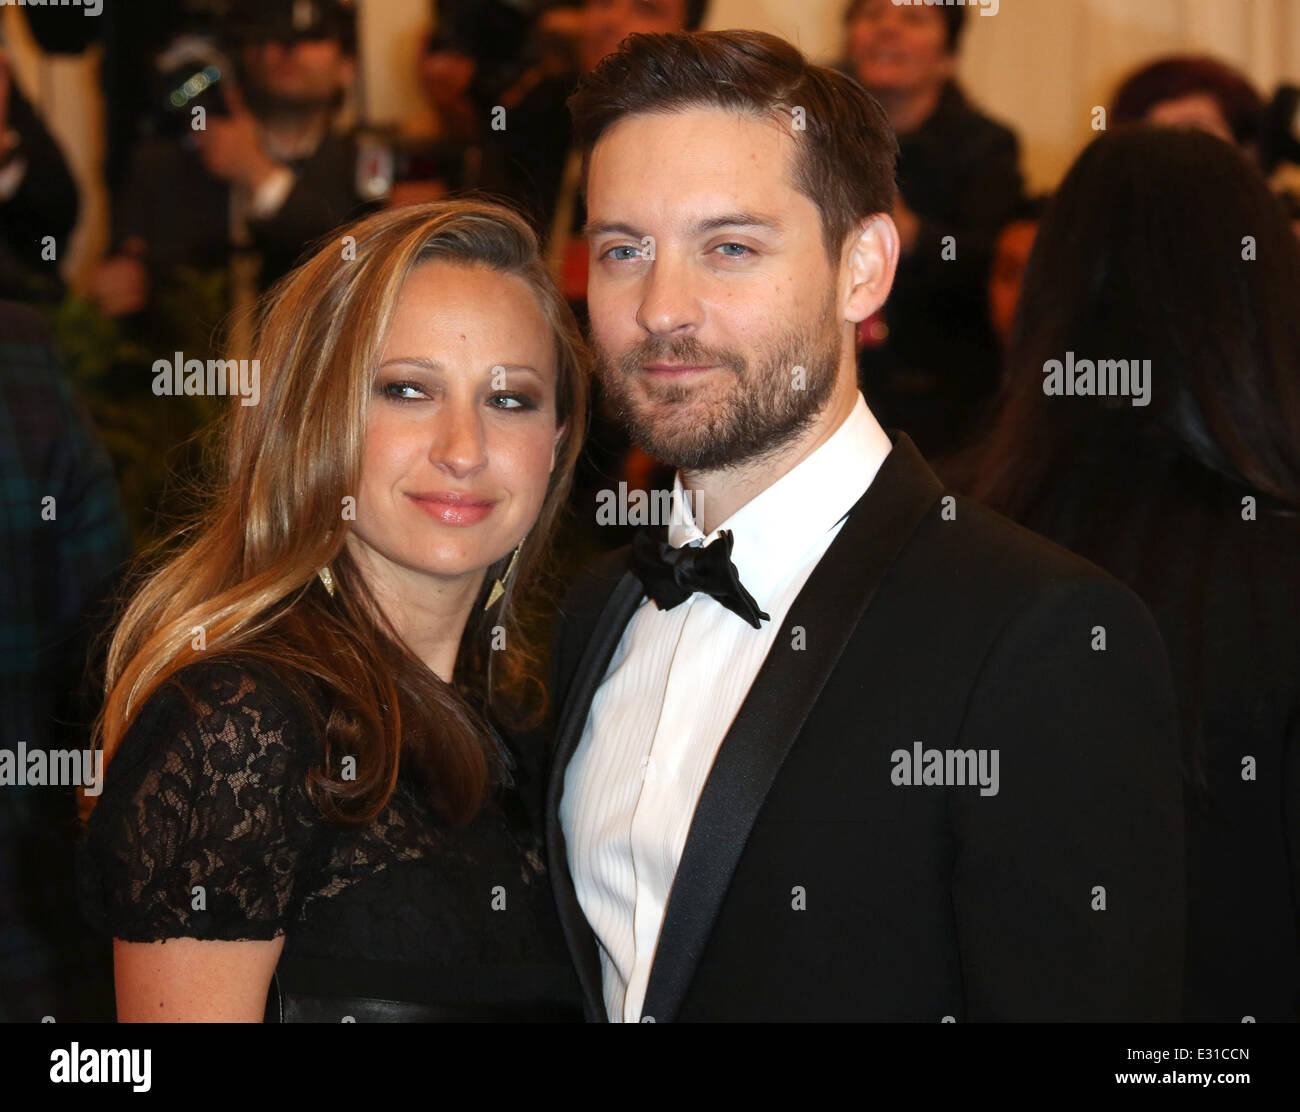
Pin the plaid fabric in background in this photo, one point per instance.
(54, 572)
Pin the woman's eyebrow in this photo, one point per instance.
(434, 365)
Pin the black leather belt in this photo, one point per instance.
(297, 1007)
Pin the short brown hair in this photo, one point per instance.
(846, 149)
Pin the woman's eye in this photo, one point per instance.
(512, 401)
(402, 391)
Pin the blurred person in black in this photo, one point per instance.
(265, 177)
(38, 199)
(541, 166)
(439, 146)
(128, 36)
(444, 144)
(542, 170)
(1011, 250)
(929, 358)
(63, 541)
(1165, 244)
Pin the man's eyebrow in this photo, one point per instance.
(595, 228)
(608, 228)
(739, 220)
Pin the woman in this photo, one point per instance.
(1164, 244)
(302, 783)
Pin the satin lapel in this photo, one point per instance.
(784, 692)
(618, 611)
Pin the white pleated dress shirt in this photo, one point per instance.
(673, 687)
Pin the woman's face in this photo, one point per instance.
(461, 424)
(1199, 110)
(898, 49)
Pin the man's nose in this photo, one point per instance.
(669, 303)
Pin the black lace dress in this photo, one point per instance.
(205, 830)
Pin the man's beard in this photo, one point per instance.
(767, 406)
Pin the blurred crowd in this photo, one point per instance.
(236, 139)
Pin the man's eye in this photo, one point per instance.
(632, 253)
(740, 247)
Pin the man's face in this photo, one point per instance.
(726, 344)
(898, 49)
(606, 23)
(309, 72)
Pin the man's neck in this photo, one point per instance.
(719, 493)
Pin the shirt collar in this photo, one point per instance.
(777, 529)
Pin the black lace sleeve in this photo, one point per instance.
(203, 827)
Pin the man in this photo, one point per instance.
(905, 760)
(929, 362)
(38, 200)
(262, 179)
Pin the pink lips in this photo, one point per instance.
(453, 508)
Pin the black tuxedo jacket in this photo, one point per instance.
(815, 886)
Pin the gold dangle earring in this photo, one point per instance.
(499, 587)
(327, 578)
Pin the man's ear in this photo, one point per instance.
(871, 258)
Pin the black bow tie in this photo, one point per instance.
(671, 575)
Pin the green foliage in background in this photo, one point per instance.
(155, 443)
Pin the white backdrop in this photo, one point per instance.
(1038, 65)
(1041, 65)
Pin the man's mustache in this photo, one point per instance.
(679, 351)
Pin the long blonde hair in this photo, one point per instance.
(244, 579)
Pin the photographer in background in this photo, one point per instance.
(266, 175)
(38, 198)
